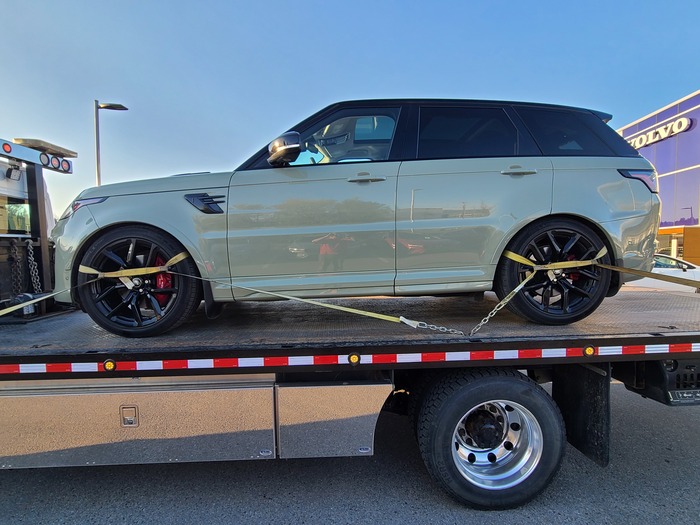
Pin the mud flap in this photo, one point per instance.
(583, 395)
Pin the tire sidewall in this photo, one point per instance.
(440, 431)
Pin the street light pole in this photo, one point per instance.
(98, 106)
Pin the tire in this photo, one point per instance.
(556, 297)
(493, 439)
(157, 302)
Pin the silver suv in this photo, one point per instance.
(379, 197)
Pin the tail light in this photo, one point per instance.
(648, 177)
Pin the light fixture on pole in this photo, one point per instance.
(98, 106)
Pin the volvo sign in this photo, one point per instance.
(661, 133)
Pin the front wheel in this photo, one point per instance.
(554, 297)
(138, 305)
(492, 438)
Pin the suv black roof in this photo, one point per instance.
(605, 117)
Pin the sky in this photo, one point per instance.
(210, 82)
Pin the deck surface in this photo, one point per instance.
(291, 324)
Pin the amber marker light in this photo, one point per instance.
(589, 351)
(354, 359)
(110, 365)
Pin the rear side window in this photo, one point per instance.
(574, 133)
(454, 132)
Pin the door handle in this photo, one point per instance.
(365, 177)
(518, 170)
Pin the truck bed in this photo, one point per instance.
(262, 328)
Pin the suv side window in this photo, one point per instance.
(458, 132)
(573, 133)
(349, 136)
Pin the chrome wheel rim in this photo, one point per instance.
(497, 445)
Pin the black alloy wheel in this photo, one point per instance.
(139, 305)
(554, 297)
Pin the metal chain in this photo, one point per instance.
(490, 316)
(441, 329)
(501, 305)
(15, 269)
(33, 269)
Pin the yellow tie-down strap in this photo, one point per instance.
(125, 274)
(566, 265)
(133, 272)
(658, 276)
(118, 274)
(19, 306)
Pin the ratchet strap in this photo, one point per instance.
(19, 306)
(659, 276)
(124, 275)
(133, 272)
(564, 265)
(580, 264)
(383, 317)
(118, 274)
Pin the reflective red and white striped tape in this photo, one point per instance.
(340, 359)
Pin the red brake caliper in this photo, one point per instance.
(574, 276)
(163, 280)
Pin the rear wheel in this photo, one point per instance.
(554, 297)
(492, 438)
(138, 305)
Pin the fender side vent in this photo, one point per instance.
(206, 203)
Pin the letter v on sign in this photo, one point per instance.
(664, 131)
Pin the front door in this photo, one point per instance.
(323, 225)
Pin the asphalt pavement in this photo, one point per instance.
(653, 478)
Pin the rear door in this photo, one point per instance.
(477, 179)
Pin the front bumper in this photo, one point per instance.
(69, 236)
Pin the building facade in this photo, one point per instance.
(670, 139)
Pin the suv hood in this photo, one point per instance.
(181, 182)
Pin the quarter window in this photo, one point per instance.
(453, 132)
(573, 133)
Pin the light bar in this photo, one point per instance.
(38, 152)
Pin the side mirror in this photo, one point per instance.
(284, 149)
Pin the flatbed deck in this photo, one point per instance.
(288, 325)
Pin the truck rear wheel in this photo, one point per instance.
(493, 439)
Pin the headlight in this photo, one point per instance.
(79, 203)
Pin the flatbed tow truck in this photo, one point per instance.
(286, 379)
